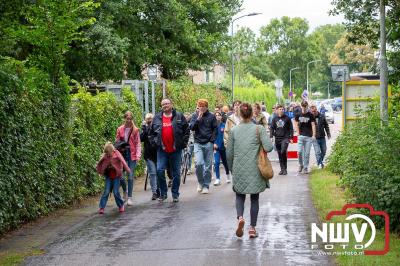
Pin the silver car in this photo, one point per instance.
(329, 113)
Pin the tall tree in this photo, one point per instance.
(285, 43)
(41, 32)
(176, 35)
(325, 38)
(362, 22)
(359, 57)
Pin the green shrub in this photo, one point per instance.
(34, 145)
(49, 144)
(185, 94)
(94, 120)
(366, 156)
(253, 90)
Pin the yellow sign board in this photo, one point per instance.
(358, 95)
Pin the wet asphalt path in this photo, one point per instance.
(199, 230)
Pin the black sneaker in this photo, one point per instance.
(154, 197)
(170, 183)
(300, 169)
(175, 200)
(284, 172)
(162, 198)
(281, 172)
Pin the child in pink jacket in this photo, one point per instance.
(110, 166)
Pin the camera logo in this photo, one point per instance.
(338, 234)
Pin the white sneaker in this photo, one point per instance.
(204, 191)
(217, 182)
(130, 202)
(320, 166)
(228, 178)
(199, 188)
(189, 172)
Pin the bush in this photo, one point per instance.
(94, 120)
(254, 90)
(185, 94)
(33, 145)
(49, 144)
(366, 156)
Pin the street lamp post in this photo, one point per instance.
(314, 61)
(329, 95)
(290, 79)
(383, 66)
(232, 57)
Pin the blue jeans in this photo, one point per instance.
(203, 155)
(191, 149)
(132, 165)
(322, 146)
(173, 161)
(114, 183)
(317, 151)
(220, 155)
(152, 171)
(304, 147)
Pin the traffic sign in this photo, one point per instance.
(278, 83)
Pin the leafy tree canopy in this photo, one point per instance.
(362, 23)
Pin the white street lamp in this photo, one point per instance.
(314, 61)
(232, 59)
(290, 79)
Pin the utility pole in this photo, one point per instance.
(383, 66)
(329, 96)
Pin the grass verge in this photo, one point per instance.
(16, 258)
(328, 196)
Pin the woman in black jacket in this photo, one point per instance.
(150, 154)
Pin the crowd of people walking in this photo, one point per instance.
(234, 136)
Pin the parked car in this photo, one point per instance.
(337, 104)
(329, 114)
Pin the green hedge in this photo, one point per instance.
(255, 91)
(94, 120)
(185, 94)
(50, 142)
(367, 157)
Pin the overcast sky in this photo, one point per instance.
(315, 11)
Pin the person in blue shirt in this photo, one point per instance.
(290, 113)
(322, 110)
(219, 151)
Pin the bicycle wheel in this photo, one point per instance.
(145, 182)
(184, 168)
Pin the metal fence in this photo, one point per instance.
(144, 90)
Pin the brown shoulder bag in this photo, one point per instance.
(264, 164)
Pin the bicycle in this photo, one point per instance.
(184, 164)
